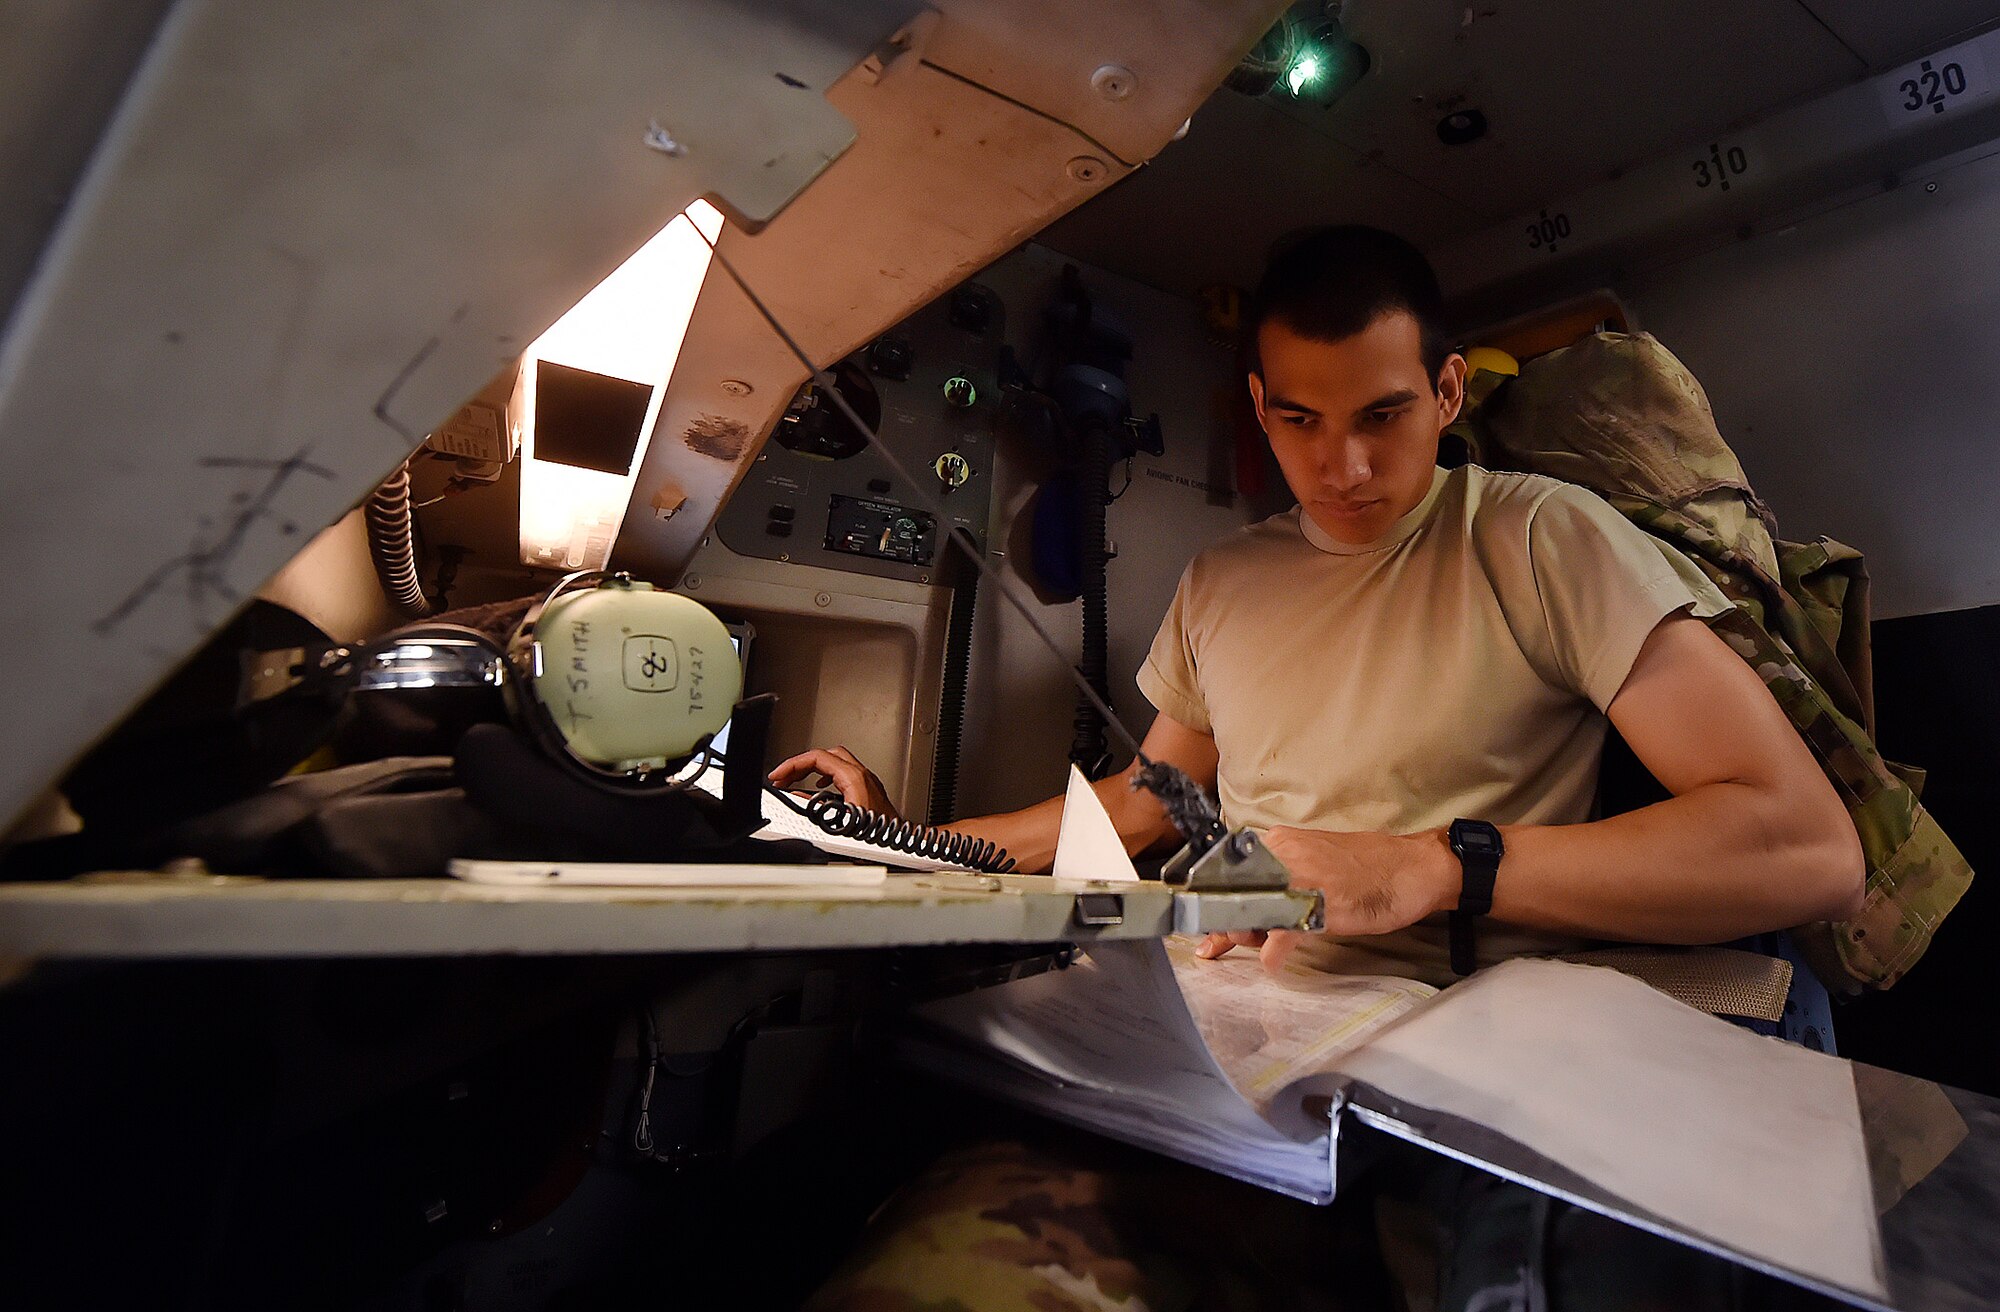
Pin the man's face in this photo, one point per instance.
(1355, 423)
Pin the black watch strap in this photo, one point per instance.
(1479, 849)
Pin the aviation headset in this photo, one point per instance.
(617, 681)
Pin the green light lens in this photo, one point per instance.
(1302, 72)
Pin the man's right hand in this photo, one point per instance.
(1271, 948)
(856, 782)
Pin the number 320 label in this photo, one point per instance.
(1934, 86)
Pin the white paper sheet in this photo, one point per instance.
(1752, 1142)
(1111, 1046)
(1088, 846)
(659, 874)
(1127, 1043)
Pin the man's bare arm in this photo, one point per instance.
(1029, 835)
(1753, 839)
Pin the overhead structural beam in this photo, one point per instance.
(990, 120)
(1863, 136)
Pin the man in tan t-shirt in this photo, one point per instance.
(1411, 646)
(1407, 648)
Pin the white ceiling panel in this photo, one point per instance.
(1887, 34)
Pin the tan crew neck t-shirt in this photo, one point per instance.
(1458, 666)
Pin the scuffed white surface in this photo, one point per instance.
(1751, 1142)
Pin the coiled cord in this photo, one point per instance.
(1087, 748)
(841, 818)
(951, 702)
(392, 544)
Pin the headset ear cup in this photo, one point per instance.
(420, 721)
(530, 716)
(438, 629)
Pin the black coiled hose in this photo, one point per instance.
(843, 819)
(1087, 749)
(392, 544)
(951, 704)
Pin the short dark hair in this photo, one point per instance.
(1327, 284)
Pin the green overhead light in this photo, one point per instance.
(1308, 59)
(1303, 72)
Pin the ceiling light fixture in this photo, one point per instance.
(1306, 58)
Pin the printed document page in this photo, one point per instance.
(1751, 1142)
(1121, 1043)
(1148, 1044)
(1269, 1031)
(1114, 1021)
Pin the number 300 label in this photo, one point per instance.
(1934, 86)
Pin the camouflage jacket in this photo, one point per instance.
(1620, 415)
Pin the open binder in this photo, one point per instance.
(1110, 1045)
(1575, 1079)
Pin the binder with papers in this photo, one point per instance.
(1619, 1097)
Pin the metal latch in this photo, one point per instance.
(1097, 910)
(1237, 862)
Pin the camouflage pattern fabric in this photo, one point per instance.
(1081, 1227)
(1004, 1227)
(1617, 413)
(1830, 584)
(1620, 415)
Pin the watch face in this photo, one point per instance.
(1476, 838)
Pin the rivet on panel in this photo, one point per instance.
(736, 387)
(1087, 169)
(1114, 81)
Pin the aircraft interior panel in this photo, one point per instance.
(450, 459)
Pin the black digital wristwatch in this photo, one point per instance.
(1479, 849)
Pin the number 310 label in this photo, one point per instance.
(1938, 85)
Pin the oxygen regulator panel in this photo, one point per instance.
(820, 495)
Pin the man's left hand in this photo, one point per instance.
(1370, 883)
